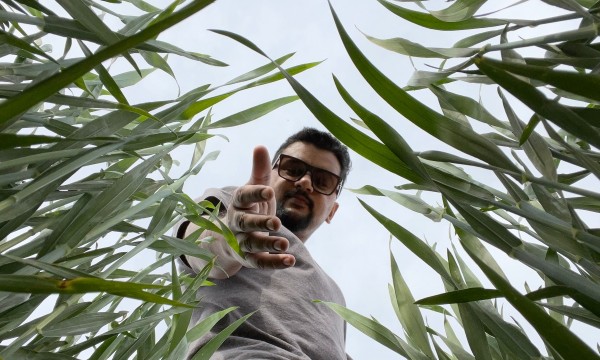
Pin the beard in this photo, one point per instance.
(291, 220)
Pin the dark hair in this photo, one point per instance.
(323, 141)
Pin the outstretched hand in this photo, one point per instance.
(251, 216)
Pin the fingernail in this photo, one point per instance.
(270, 224)
(265, 193)
(288, 261)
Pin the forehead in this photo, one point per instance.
(312, 155)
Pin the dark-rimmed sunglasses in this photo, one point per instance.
(292, 169)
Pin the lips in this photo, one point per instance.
(299, 198)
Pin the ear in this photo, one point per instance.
(332, 212)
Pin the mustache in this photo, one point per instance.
(298, 192)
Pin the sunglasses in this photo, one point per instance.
(292, 169)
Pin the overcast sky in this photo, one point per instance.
(354, 248)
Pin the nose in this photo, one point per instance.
(305, 182)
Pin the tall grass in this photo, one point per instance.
(86, 188)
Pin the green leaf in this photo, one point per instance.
(206, 351)
(356, 140)
(43, 89)
(390, 138)
(460, 296)
(431, 22)
(28, 354)
(455, 134)
(412, 202)
(535, 147)
(9, 141)
(204, 326)
(252, 113)
(409, 48)
(146, 321)
(537, 101)
(81, 324)
(41, 285)
(260, 71)
(460, 10)
(10, 39)
(369, 327)
(557, 335)
(582, 84)
(106, 78)
(577, 313)
(86, 17)
(408, 313)
(414, 244)
(467, 106)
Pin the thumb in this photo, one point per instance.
(261, 167)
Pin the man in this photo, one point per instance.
(272, 216)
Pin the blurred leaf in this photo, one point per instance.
(81, 324)
(10, 39)
(28, 354)
(571, 5)
(369, 327)
(576, 313)
(205, 325)
(206, 351)
(151, 321)
(9, 141)
(41, 285)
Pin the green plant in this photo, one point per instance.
(546, 166)
(86, 189)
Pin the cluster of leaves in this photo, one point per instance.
(547, 169)
(562, 134)
(85, 183)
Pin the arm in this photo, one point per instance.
(250, 215)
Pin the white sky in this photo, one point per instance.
(354, 249)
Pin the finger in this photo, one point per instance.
(240, 221)
(256, 242)
(265, 260)
(271, 206)
(246, 196)
(261, 167)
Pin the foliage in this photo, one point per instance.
(86, 190)
(538, 173)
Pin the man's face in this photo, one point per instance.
(302, 209)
